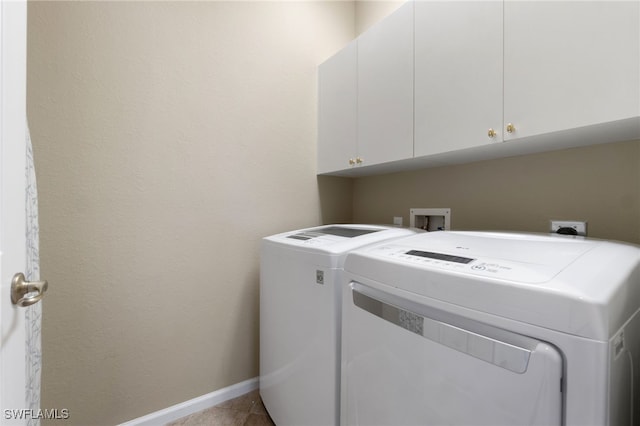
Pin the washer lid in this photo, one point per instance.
(339, 231)
(337, 239)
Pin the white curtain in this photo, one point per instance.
(32, 273)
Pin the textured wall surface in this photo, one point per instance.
(169, 138)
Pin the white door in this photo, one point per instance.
(337, 110)
(385, 89)
(405, 363)
(458, 75)
(12, 207)
(569, 64)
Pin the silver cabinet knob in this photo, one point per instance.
(21, 288)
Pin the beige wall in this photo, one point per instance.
(169, 138)
(599, 184)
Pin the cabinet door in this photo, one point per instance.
(458, 81)
(568, 64)
(337, 109)
(385, 89)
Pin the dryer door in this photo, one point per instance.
(409, 364)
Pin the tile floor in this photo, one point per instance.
(246, 410)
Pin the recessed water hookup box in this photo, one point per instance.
(430, 219)
(569, 227)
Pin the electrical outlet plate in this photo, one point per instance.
(580, 227)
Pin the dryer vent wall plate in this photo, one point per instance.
(430, 219)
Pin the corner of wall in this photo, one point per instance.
(369, 12)
(336, 199)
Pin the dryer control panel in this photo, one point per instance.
(525, 272)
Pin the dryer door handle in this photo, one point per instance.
(490, 346)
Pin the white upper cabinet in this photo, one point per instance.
(337, 110)
(385, 89)
(458, 75)
(492, 78)
(569, 64)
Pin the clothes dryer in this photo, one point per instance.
(300, 319)
(464, 328)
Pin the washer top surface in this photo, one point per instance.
(337, 239)
(577, 285)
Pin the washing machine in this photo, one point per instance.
(300, 319)
(473, 328)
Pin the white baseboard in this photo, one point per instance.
(194, 405)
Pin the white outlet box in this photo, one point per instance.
(430, 219)
(397, 220)
(580, 227)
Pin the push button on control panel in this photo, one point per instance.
(491, 267)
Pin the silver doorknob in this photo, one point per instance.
(21, 288)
